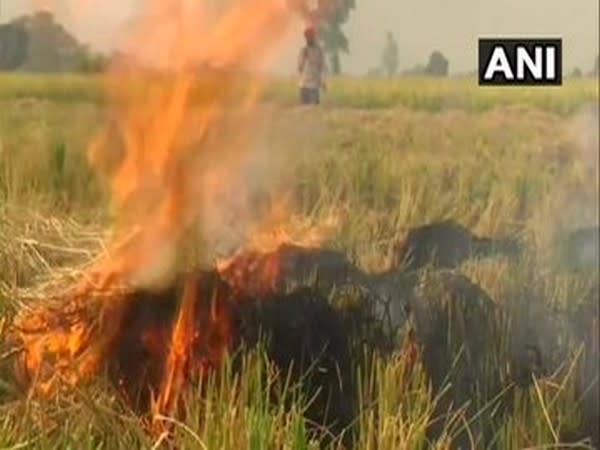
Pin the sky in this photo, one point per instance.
(420, 26)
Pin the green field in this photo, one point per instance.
(389, 155)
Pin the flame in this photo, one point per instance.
(182, 107)
(200, 337)
(181, 111)
(165, 183)
(257, 268)
(178, 360)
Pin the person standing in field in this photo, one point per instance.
(311, 68)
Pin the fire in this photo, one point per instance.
(257, 269)
(165, 183)
(200, 337)
(183, 335)
(181, 115)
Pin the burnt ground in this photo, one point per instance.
(301, 334)
(447, 244)
(259, 273)
(460, 330)
(306, 336)
(455, 323)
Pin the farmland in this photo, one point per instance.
(384, 156)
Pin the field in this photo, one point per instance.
(386, 156)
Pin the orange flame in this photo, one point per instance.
(165, 182)
(183, 102)
(182, 110)
(179, 355)
(256, 269)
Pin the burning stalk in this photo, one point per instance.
(178, 359)
(177, 158)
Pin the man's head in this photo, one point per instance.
(310, 34)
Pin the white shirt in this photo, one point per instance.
(311, 65)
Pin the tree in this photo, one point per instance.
(14, 42)
(437, 65)
(334, 14)
(390, 56)
(38, 43)
(51, 48)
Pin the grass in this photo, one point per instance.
(423, 94)
(388, 155)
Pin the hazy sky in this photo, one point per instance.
(420, 26)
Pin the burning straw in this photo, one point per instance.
(180, 115)
(181, 112)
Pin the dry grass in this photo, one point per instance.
(388, 155)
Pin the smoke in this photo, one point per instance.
(584, 131)
(581, 201)
(185, 120)
(572, 202)
(259, 196)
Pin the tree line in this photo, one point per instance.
(39, 43)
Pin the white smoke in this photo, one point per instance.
(263, 181)
(583, 130)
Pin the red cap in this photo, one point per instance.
(310, 31)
